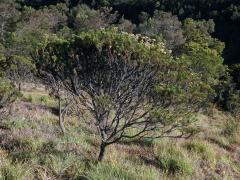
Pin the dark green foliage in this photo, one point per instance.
(203, 52)
(126, 25)
(39, 3)
(227, 90)
(231, 100)
(235, 73)
(9, 17)
(224, 12)
(84, 18)
(166, 26)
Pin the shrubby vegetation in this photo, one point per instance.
(203, 52)
(126, 82)
(121, 79)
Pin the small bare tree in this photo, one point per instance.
(67, 104)
(56, 90)
(131, 86)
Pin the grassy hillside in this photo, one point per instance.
(33, 148)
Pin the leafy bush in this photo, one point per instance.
(203, 52)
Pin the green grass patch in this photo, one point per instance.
(13, 171)
(63, 163)
(231, 128)
(125, 171)
(172, 159)
(21, 124)
(173, 164)
(201, 148)
(36, 98)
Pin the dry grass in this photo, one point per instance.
(34, 148)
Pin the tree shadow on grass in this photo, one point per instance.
(151, 162)
(139, 142)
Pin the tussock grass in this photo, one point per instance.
(39, 98)
(125, 171)
(203, 149)
(231, 128)
(12, 171)
(172, 159)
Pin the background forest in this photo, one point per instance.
(119, 89)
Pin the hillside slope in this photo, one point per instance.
(33, 148)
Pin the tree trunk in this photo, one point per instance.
(4, 127)
(60, 117)
(102, 151)
(19, 87)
